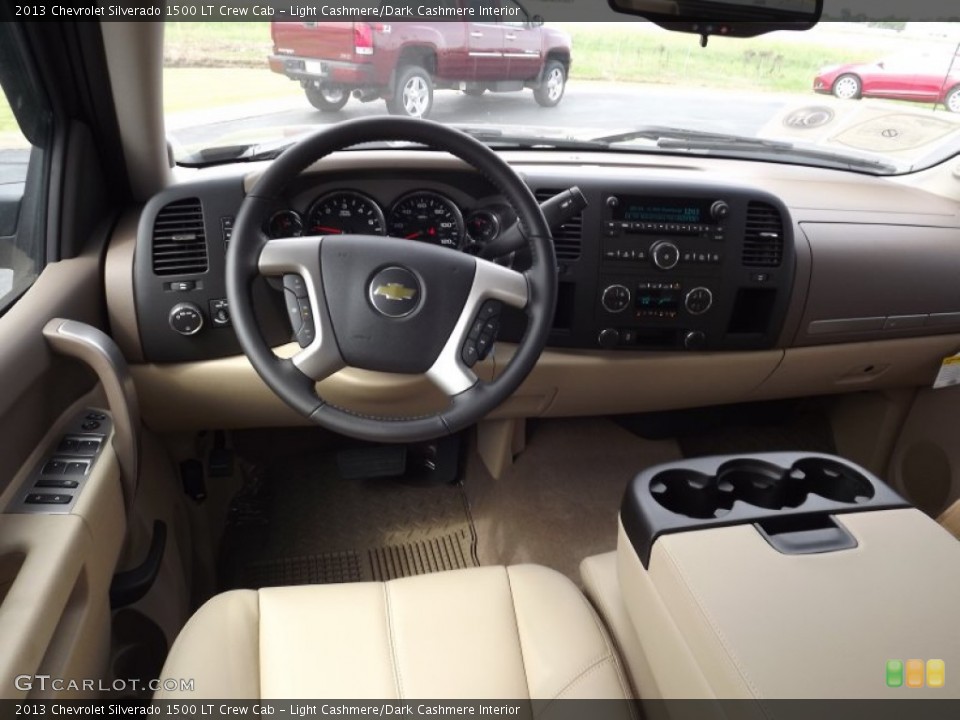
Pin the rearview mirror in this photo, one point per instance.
(536, 21)
(731, 18)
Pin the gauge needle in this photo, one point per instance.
(323, 228)
(414, 236)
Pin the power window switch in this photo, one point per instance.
(68, 446)
(58, 483)
(54, 467)
(88, 447)
(48, 499)
(76, 468)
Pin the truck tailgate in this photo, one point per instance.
(323, 40)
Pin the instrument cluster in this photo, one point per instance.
(421, 215)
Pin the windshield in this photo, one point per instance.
(873, 97)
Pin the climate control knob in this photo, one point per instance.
(695, 340)
(665, 255)
(615, 298)
(698, 301)
(186, 318)
(609, 338)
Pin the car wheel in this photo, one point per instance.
(327, 98)
(413, 94)
(952, 100)
(847, 87)
(551, 87)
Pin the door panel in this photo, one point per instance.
(485, 42)
(521, 45)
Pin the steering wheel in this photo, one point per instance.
(387, 304)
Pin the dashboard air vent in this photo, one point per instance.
(763, 240)
(179, 241)
(566, 240)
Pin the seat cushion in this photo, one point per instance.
(491, 632)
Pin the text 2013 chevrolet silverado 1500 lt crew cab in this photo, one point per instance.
(404, 63)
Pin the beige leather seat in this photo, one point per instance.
(492, 632)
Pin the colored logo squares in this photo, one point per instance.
(912, 673)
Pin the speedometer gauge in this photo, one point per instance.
(427, 216)
(345, 212)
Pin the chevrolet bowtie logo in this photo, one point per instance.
(395, 291)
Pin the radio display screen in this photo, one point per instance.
(657, 299)
(662, 210)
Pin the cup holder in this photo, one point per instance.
(833, 480)
(789, 497)
(687, 492)
(759, 483)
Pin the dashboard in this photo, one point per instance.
(647, 265)
(684, 282)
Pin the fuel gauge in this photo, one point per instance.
(285, 224)
(483, 226)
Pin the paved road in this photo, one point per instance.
(603, 106)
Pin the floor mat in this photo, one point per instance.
(296, 521)
(560, 500)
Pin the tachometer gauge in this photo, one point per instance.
(285, 224)
(428, 217)
(345, 212)
(483, 226)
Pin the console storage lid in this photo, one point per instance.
(759, 623)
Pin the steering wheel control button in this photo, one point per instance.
(615, 298)
(470, 354)
(698, 301)
(296, 285)
(307, 332)
(293, 310)
(48, 499)
(491, 308)
(186, 318)
(665, 255)
(395, 292)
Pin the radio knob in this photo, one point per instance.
(698, 301)
(613, 201)
(695, 340)
(615, 298)
(665, 255)
(609, 338)
(719, 210)
(186, 318)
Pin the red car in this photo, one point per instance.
(931, 78)
(403, 62)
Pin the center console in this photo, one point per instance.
(676, 268)
(779, 576)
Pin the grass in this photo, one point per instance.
(188, 89)
(208, 65)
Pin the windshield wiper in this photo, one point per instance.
(226, 154)
(667, 138)
(497, 137)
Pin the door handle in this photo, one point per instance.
(101, 354)
(476, 34)
(511, 36)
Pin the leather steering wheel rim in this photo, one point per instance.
(297, 389)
